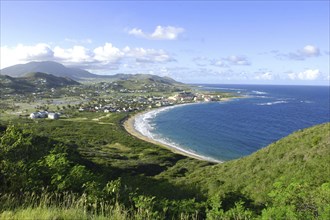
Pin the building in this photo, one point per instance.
(43, 114)
(34, 115)
(53, 115)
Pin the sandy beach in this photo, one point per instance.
(130, 128)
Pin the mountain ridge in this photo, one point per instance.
(59, 70)
(49, 67)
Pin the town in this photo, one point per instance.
(109, 97)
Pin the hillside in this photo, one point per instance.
(32, 82)
(146, 82)
(10, 85)
(48, 80)
(144, 77)
(49, 67)
(93, 156)
(302, 157)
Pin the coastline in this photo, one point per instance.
(129, 125)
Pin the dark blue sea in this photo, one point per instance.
(228, 130)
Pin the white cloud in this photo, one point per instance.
(38, 52)
(219, 63)
(142, 55)
(76, 54)
(77, 41)
(107, 53)
(222, 62)
(167, 33)
(264, 76)
(21, 54)
(160, 33)
(238, 60)
(137, 32)
(100, 58)
(310, 51)
(310, 74)
(301, 54)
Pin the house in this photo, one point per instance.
(53, 115)
(34, 115)
(43, 114)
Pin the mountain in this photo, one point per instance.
(60, 70)
(32, 82)
(49, 67)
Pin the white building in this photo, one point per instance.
(43, 114)
(34, 115)
(53, 115)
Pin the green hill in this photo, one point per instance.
(95, 170)
(302, 157)
(10, 85)
(147, 78)
(32, 82)
(48, 80)
(146, 81)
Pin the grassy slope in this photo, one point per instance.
(102, 140)
(303, 156)
(32, 82)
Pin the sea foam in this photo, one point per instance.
(143, 124)
(273, 103)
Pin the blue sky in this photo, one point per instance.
(259, 42)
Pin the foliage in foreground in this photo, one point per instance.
(58, 177)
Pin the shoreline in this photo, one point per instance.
(129, 125)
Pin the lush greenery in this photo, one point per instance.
(88, 167)
(33, 82)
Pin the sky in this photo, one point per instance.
(229, 42)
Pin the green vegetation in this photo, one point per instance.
(301, 157)
(33, 82)
(86, 166)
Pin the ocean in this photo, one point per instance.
(223, 131)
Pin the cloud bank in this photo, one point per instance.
(309, 74)
(108, 59)
(100, 58)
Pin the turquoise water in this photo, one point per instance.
(227, 130)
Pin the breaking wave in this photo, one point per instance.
(273, 103)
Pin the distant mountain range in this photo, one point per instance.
(59, 70)
(49, 67)
(33, 82)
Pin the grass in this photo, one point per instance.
(300, 159)
(118, 147)
(59, 206)
(50, 206)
